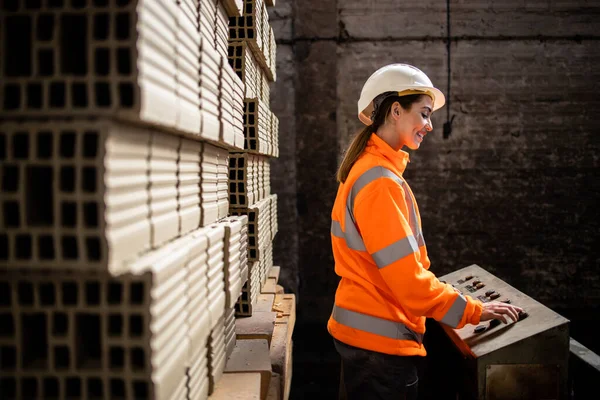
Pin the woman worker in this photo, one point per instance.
(386, 289)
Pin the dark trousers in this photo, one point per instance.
(367, 375)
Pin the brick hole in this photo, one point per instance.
(12, 96)
(241, 187)
(240, 175)
(117, 388)
(44, 145)
(10, 211)
(57, 95)
(20, 145)
(123, 61)
(101, 26)
(68, 214)
(92, 293)
(93, 248)
(90, 214)
(88, 341)
(67, 144)
(34, 341)
(40, 196)
(47, 294)
(18, 51)
(70, 293)
(95, 388)
(79, 95)
(60, 323)
(51, 388)
(69, 248)
(123, 3)
(102, 90)
(126, 95)
(23, 249)
(140, 390)
(116, 358)
(253, 253)
(100, 3)
(8, 358)
(5, 294)
(90, 145)
(115, 325)
(136, 325)
(46, 247)
(233, 199)
(78, 3)
(73, 44)
(29, 388)
(7, 325)
(62, 357)
(55, 3)
(238, 65)
(115, 293)
(35, 95)
(45, 27)
(122, 25)
(137, 359)
(102, 62)
(136, 293)
(33, 4)
(73, 387)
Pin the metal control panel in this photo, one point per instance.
(523, 359)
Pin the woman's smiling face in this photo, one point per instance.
(412, 125)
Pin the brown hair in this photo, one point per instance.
(360, 141)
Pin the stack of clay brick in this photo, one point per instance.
(121, 265)
(252, 55)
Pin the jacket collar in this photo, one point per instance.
(379, 147)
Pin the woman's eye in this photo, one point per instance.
(425, 116)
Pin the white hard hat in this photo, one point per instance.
(401, 78)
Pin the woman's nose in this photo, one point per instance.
(429, 126)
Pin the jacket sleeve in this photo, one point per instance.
(381, 214)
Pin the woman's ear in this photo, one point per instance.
(396, 109)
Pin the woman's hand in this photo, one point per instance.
(498, 310)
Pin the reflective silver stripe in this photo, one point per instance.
(455, 313)
(336, 229)
(375, 325)
(353, 238)
(395, 251)
(366, 178)
(413, 220)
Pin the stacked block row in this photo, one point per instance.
(262, 228)
(253, 28)
(257, 84)
(249, 179)
(135, 60)
(96, 195)
(71, 334)
(259, 127)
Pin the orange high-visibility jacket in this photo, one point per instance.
(386, 289)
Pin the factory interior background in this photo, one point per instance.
(508, 179)
(513, 186)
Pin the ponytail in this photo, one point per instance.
(354, 151)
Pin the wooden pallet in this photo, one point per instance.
(263, 354)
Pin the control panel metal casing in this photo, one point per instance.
(526, 359)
